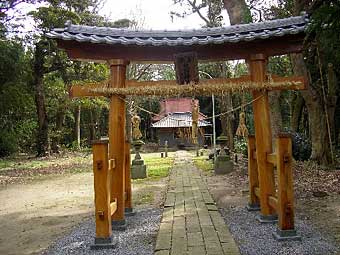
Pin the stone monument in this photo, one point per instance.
(223, 164)
(138, 169)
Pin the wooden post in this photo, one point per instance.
(285, 206)
(263, 136)
(128, 201)
(117, 141)
(102, 196)
(254, 202)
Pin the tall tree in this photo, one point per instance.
(321, 48)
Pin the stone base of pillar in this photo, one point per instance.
(286, 235)
(253, 207)
(119, 225)
(267, 218)
(104, 243)
(129, 212)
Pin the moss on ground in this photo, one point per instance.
(203, 163)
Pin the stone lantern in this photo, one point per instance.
(223, 164)
(138, 169)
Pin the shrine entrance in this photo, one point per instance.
(252, 42)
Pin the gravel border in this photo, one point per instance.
(255, 238)
(139, 237)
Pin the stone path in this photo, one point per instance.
(191, 222)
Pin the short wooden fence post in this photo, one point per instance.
(285, 195)
(102, 191)
(254, 202)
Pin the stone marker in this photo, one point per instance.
(223, 164)
(138, 169)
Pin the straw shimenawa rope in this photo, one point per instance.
(200, 89)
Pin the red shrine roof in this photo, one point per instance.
(175, 105)
(176, 112)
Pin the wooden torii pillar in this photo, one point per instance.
(263, 137)
(119, 145)
(117, 141)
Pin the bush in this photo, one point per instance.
(8, 143)
(302, 148)
(241, 146)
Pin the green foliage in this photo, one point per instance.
(17, 120)
(8, 143)
(324, 32)
(241, 145)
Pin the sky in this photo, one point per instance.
(152, 14)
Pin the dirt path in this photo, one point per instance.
(35, 214)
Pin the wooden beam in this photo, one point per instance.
(252, 172)
(299, 79)
(227, 51)
(272, 201)
(285, 207)
(117, 138)
(263, 135)
(101, 189)
(84, 91)
(272, 158)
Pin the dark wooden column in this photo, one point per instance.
(117, 141)
(263, 136)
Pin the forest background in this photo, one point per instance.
(38, 117)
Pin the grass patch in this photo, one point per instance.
(203, 163)
(36, 163)
(156, 166)
(143, 198)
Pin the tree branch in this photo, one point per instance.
(197, 10)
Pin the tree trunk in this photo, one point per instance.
(237, 10)
(92, 126)
(275, 114)
(296, 113)
(55, 143)
(331, 98)
(227, 119)
(321, 147)
(38, 74)
(316, 114)
(77, 112)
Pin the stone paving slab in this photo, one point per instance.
(191, 222)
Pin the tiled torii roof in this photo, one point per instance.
(204, 36)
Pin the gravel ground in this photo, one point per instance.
(255, 238)
(138, 239)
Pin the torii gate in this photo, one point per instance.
(252, 42)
